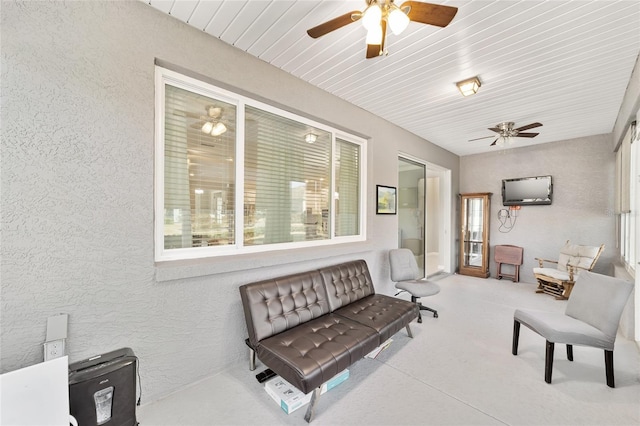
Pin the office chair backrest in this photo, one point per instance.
(403, 265)
(599, 300)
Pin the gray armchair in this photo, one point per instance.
(405, 273)
(591, 319)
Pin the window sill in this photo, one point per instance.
(623, 270)
(181, 269)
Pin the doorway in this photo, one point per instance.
(422, 209)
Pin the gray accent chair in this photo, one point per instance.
(406, 275)
(591, 319)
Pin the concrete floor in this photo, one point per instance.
(457, 370)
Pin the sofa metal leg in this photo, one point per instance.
(312, 405)
(409, 331)
(516, 337)
(570, 352)
(548, 362)
(252, 359)
(608, 365)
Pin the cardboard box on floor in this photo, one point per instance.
(290, 398)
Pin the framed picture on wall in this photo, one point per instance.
(386, 199)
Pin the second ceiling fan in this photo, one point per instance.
(506, 131)
(382, 13)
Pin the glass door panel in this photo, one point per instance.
(411, 210)
(474, 236)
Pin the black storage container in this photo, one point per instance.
(102, 389)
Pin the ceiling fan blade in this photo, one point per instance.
(528, 126)
(477, 139)
(494, 142)
(375, 50)
(527, 135)
(495, 129)
(334, 24)
(428, 13)
(181, 113)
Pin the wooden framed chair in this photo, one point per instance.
(573, 258)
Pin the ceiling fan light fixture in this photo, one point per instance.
(469, 86)
(504, 140)
(372, 16)
(374, 35)
(207, 127)
(398, 20)
(310, 138)
(218, 129)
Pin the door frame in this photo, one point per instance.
(444, 238)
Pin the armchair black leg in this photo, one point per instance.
(570, 352)
(516, 337)
(548, 362)
(608, 365)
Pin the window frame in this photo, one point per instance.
(627, 186)
(165, 76)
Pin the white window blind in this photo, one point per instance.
(625, 173)
(626, 196)
(199, 183)
(347, 203)
(287, 180)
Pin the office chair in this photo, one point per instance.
(590, 319)
(406, 275)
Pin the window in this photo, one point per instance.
(627, 159)
(234, 175)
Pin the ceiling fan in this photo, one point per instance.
(211, 124)
(506, 131)
(380, 13)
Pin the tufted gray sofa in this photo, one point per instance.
(310, 326)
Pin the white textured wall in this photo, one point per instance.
(583, 172)
(77, 190)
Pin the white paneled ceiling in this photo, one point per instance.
(565, 64)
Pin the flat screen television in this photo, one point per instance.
(527, 191)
